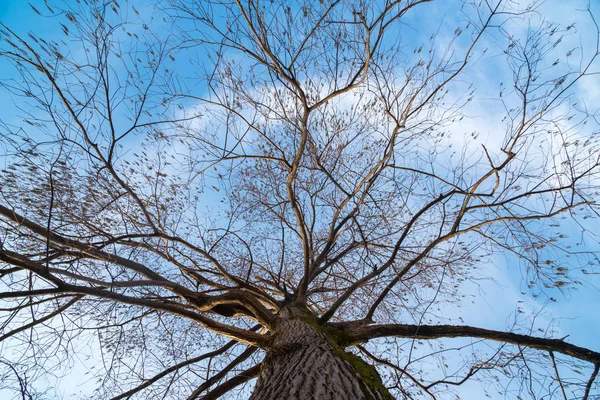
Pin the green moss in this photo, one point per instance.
(337, 337)
(365, 372)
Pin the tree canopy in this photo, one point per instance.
(176, 177)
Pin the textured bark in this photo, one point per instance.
(302, 363)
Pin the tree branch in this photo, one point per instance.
(237, 380)
(453, 331)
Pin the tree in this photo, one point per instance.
(229, 190)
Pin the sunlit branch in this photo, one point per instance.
(241, 335)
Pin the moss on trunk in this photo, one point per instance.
(308, 360)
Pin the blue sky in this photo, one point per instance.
(576, 313)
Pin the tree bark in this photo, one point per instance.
(303, 362)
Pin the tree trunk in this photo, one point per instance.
(305, 363)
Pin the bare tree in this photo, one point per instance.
(231, 190)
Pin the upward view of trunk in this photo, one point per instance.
(303, 363)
